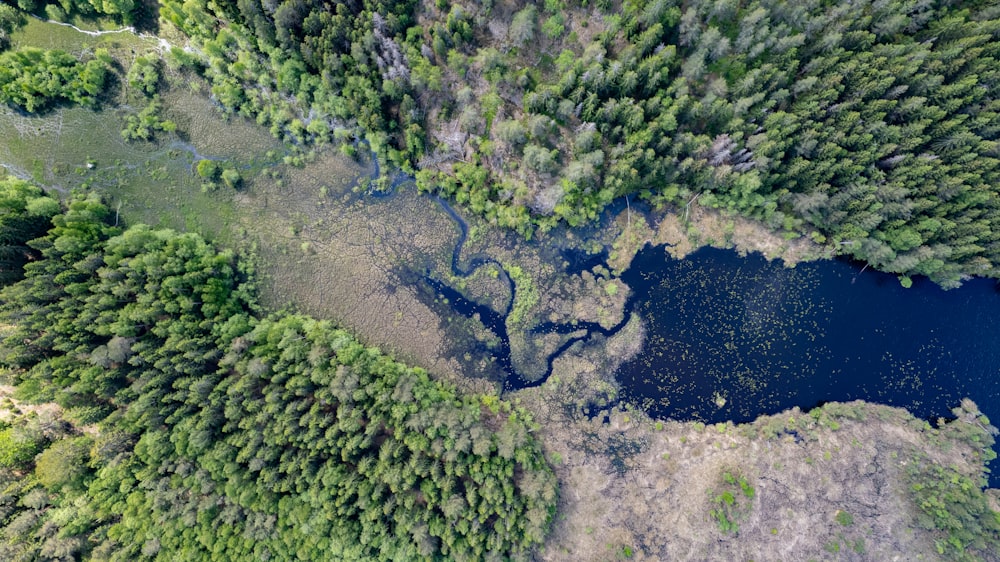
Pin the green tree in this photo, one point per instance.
(25, 214)
(231, 177)
(208, 169)
(144, 74)
(522, 27)
(64, 464)
(17, 448)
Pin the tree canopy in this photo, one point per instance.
(36, 79)
(220, 434)
(869, 126)
(121, 10)
(25, 214)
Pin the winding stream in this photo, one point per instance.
(497, 322)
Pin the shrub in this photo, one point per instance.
(732, 502)
(207, 169)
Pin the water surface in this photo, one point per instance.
(732, 338)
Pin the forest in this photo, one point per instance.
(869, 126)
(150, 408)
(158, 413)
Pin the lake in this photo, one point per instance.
(732, 338)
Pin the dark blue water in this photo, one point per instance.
(732, 338)
(766, 338)
(580, 260)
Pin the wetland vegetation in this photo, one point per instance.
(146, 424)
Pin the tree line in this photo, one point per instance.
(194, 426)
(868, 126)
(60, 10)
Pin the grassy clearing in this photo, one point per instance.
(45, 35)
(352, 258)
(76, 148)
(73, 148)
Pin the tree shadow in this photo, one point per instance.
(147, 17)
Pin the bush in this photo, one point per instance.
(144, 74)
(17, 448)
(207, 169)
(231, 178)
(144, 125)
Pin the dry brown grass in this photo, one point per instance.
(686, 230)
(341, 257)
(632, 483)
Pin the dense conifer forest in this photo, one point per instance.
(182, 424)
(124, 11)
(868, 126)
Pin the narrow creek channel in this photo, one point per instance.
(495, 321)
